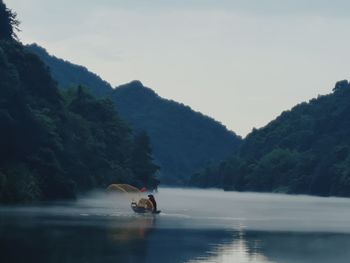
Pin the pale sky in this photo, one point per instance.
(240, 62)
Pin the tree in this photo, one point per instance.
(142, 161)
(8, 23)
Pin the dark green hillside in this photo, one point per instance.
(183, 140)
(305, 150)
(71, 75)
(54, 145)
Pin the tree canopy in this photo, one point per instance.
(55, 144)
(305, 150)
(8, 23)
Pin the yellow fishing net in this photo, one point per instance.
(133, 193)
(122, 188)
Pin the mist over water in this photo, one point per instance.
(256, 211)
(194, 226)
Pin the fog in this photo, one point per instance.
(255, 211)
(193, 208)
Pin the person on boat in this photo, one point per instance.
(154, 203)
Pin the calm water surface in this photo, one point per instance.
(194, 226)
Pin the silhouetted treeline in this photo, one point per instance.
(8, 23)
(305, 151)
(54, 145)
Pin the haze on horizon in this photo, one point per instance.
(240, 62)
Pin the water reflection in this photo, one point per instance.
(284, 247)
(237, 251)
(132, 229)
(256, 229)
(289, 247)
(52, 239)
(69, 240)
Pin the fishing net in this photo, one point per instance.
(122, 188)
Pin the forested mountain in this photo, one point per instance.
(305, 150)
(183, 140)
(55, 144)
(71, 75)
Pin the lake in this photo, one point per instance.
(194, 226)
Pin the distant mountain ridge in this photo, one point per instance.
(183, 140)
(71, 75)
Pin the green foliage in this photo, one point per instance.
(305, 150)
(8, 23)
(19, 185)
(54, 145)
(142, 161)
(183, 140)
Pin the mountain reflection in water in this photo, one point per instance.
(241, 227)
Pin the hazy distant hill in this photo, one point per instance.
(305, 150)
(183, 140)
(69, 75)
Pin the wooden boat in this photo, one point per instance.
(143, 209)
